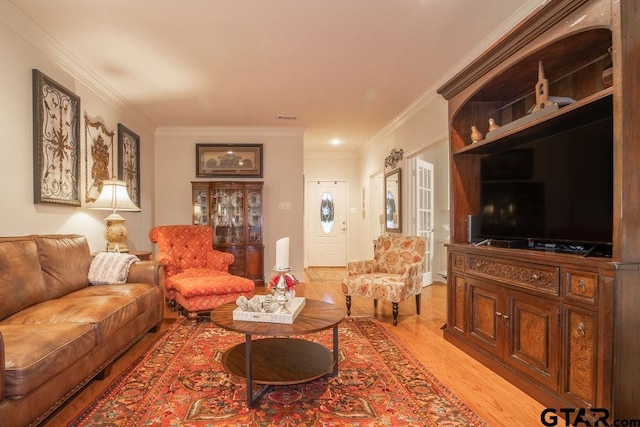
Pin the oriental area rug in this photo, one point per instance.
(180, 381)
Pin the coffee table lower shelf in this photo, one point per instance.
(278, 361)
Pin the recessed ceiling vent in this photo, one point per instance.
(283, 117)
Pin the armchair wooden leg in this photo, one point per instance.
(375, 303)
(418, 298)
(348, 305)
(395, 313)
(172, 304)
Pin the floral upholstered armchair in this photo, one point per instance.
(394, 275)
(196, 275)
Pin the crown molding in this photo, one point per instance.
(241, 131)
(24, 27)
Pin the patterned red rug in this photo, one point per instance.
(180, 381)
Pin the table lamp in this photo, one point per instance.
(114, 196)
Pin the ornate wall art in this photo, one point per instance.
(229, 160)
(393, 158)
(98, 148)
(56, 145)
(129, 161)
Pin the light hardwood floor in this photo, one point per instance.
(488, 395)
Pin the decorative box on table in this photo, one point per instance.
(293, 307)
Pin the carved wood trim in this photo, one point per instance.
(521, 35)
(539, 278)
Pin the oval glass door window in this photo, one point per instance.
(326, 212)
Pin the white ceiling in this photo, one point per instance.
(344, 68)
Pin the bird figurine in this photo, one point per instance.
(476, 135)
(493, 125)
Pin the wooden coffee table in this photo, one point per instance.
(279, 359)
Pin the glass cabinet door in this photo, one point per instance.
(254, 216)
(228, 216)
(200, 206)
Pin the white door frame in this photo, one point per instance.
(420, 207)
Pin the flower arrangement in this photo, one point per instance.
(289, 280)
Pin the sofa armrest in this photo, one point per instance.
(2, 367)
(361, 267)
(171, 266)
(146, 272)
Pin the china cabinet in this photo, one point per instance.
(234, 211)
(561, 325)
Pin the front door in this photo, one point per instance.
(326, 218)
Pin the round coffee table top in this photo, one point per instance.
(315, 316)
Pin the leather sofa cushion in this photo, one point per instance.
(21, 280)
(145, 295)
(106, 313)
(48, 350)
(65, 263)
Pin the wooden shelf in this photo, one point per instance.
(590, 109)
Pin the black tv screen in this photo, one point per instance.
(554, 189)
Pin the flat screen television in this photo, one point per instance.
(556, 189)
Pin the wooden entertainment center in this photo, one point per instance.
(561, 326)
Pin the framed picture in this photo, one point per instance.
(228, 160)
(98, 161)
(56, 142)
(129, 162)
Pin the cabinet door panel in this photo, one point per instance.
(254, 264)
(534, 336)
(484, 317)
(580, 341)
(456, 303)
(239, 261)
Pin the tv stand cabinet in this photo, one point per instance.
(561, 326)
(537, 319)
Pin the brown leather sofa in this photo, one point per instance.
(57, 331)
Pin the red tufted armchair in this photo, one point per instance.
(196, 275)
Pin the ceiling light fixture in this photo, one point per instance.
(336, 141)
(283, 117)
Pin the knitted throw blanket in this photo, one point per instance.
(110, 268)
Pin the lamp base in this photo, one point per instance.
(117, 247)
(115, 233)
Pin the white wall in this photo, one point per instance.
(20, 53)
(420, 132)
(175, 169)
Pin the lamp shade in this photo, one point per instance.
(114, 196)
